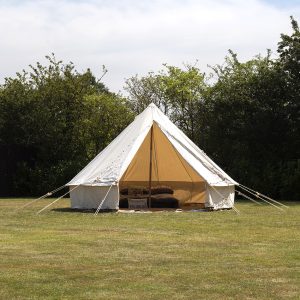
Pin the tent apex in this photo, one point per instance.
(152, 105)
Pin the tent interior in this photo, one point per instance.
(159, 174)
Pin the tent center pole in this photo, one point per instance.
(150, 164)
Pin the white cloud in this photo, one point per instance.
(132, 37)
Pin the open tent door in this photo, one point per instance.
(158, 165)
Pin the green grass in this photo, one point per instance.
(211, 255)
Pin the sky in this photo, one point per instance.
(134, 37)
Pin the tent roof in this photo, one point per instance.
(111, 163)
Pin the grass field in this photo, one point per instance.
(208, 255)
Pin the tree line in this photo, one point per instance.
(244, 115)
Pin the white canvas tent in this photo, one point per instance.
(152, 151)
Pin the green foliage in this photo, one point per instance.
(254, 119)
(53, 119)
(105, 117)
(248, 132)
(289, 62)
(49, 120)
(247, 120)
(178, 92)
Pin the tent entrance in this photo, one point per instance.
(158, 172)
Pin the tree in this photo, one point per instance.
(289, 62)
(105, 116)
(254, 117)
(247, 119)
(247, 132)
(49, 117)
(178, 92)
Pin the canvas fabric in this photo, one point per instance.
(110, 165)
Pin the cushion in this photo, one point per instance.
(161, 190)
(164, 201)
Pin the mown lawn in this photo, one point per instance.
(208, 255)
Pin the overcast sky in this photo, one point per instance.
(134, 37)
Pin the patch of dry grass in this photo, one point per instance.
(215, 255)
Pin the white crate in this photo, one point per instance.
(137, 203)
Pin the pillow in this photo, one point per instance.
(164, 201)
(161, 190)
(137, 190)
(123, 203)
(134, 190)
(124, 191)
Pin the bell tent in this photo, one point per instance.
(152, 160)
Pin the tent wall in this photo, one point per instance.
(89, 197)
(215, 200)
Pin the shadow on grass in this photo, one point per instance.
(78, 210)
(92, 211)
